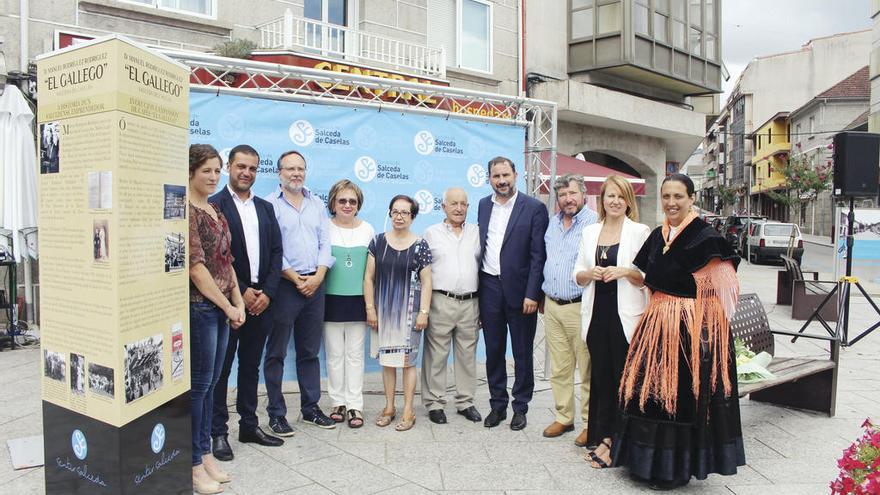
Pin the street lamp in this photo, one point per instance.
(760, 181)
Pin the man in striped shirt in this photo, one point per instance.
(562, 305)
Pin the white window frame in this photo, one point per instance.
(458, 36)
(155, 4)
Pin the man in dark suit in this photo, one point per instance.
(512, 227)
(256, 247)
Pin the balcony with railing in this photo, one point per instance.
(313, 37)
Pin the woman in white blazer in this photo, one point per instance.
(613, 302)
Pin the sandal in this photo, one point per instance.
(593, 457)
(355, 418)
(385, 419)
(337, 414)
(406, 424)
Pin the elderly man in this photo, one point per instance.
(562, 306)
(455, 248)
(299, 307)
(512, 227)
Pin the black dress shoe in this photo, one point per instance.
(518, 422)
(259, 436)
(437, 416)
(221, 449)
(471, 414)
(495, 417)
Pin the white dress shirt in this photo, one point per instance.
(495, 237)
(456, 257)
(250, 225)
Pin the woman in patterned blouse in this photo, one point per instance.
(215, 303)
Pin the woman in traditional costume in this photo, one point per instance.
(678, 391)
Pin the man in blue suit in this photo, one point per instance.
(512, 227)
(256, 247)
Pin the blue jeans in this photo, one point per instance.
(209, 332)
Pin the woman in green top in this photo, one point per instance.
(344, 311)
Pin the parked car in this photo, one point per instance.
(748, 230)
(769, 240)
(733, 227)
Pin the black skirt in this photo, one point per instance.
(703, 436)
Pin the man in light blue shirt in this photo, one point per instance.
(299, 305)
(562, 305)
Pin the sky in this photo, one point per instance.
(753, 28)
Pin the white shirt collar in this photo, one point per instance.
(509, 202)
(237, 198)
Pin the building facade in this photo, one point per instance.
(633, 79)
(467, 43)
(843, 106)
(772, 146)
(760, 93)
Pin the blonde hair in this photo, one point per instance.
(632, 210)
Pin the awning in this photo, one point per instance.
(594, 174)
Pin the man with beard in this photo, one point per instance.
(562, 306)
(512, 227)
(305, 239)
(256, 247)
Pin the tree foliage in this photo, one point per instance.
(803, 181)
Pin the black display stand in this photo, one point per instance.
(86, 456)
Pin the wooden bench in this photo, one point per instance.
(799, 382)
(804, 295)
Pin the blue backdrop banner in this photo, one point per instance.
(386, 153)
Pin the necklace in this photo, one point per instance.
(347, 242)
(604, 250)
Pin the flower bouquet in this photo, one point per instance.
(751, 367)
(860, 465)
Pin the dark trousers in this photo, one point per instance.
(302, 317)
(498, 315)
(248, 342)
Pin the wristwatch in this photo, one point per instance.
(424, 312)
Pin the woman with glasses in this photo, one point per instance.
(397, 292)
(344, 310)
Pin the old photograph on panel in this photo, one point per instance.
(101, 380)
(50, 147)
(143, 367)
(175, 252)
(101, 190)
(100, 241)
(177, 351)
(54, 365)
(175, 202)
(77, 374)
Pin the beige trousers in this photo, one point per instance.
(562, 329)
(454, 322)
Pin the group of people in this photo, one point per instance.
(642, 316)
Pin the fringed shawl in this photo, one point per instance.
(694, 284)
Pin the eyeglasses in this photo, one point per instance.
(347, 201)
(398, 213)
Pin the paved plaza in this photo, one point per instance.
(788, 451)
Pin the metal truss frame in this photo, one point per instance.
(267, 80)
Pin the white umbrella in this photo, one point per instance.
(18, 165)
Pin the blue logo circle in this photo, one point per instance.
(79, 444)
(157, 439)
